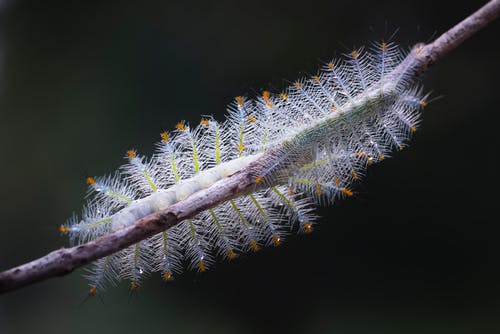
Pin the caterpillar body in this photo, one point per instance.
(314, 140)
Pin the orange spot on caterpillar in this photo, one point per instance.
(318, 190)
(240, 148)
(266, 97)
(423, 104)
(255, 246)
(131, 154)
(355, 175)
(308, 228)
(180, 126)
(283, 96)
(63, 229)
(331, 66)
(230, 254)
(201, 266)
(291, 191)
(90, 181)
(365, 156)
(168, 277)
(381, 156)
(336, 180)
(204, 122)
(354, 54)
(346, 192)
(297, 85)
(413, 128)
(165, 137)
(360, 154)
(251, 119)
(239, 101)
(92, 290)
(316, 78)
(383, 46)
(276, 240)
(259, 179)
(134, 285)
(401, 147)
(419, 51)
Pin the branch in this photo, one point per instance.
(65, 260)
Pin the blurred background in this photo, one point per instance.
(415, 251)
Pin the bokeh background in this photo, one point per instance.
(416, 250)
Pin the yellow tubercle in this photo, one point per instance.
(383, 46)
(90, 181)
(334, 108)
(266, 96)
(168, 277)
(276, 240)
(355, 175)
(134, 285)
(336, 180)
(297, 85)
(63, 229)
(251, 119)
(413, 128)
(316, 78)
(331, 66)
(255, 246)
(346, 192)
(131, 154)
(365, 155)
(239, 101)
(230, 254)
(308, 228)
(423, 104)
(204, 122)
(201, 266)
(291, 191)
(360, 154)
(92, 290)
(354, 54)
(283, 96)
(259, 179)
(381, 156)
(318, 190)
(240, 148)
(180, 126)
(165, 137)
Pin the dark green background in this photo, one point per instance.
(416, 250)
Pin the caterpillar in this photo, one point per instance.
(307, 145)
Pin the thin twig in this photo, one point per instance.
(65, 260)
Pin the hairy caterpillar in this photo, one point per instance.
(317, 137)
